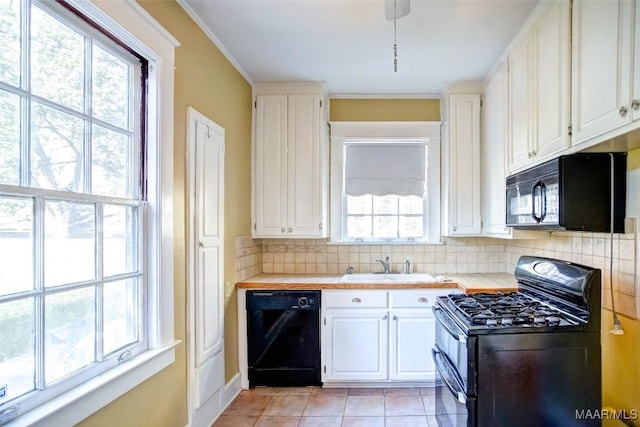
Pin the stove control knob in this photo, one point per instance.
(303, 302)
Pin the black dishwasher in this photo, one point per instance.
(283, 338)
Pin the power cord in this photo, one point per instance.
(617, 326)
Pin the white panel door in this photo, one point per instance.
(551, 62)
(601, 67)
(464, 164)
(303, 163)
(412, 338)
(205, 315)
(493, 153)
(270, 163)
(209, 231)
(519, 151)
(355, 345)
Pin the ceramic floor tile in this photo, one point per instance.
(363, 422)
(268, 421)
(330, 391)
(406, 421)
(286, 405)
(401, 391)
(432, 421)
(295, 391)
(364, 406)
(429, 401)
(266, 391)
(366, 391)
(403, 405)
(321, 405)
(235, 421)
(247, 404)
(427, 390)
(320, 422)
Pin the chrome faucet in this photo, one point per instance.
(385, 265)
(407, 267)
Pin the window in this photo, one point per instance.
(385, 182)
(74, 228)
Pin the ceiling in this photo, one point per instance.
(349, 44)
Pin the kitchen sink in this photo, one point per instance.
(390, 278)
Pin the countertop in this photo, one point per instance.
(468, 283)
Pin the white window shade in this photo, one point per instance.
(388, 168)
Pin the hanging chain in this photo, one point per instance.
(395, 37)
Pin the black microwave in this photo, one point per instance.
(572, 192)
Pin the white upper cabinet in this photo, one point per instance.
(461, 175)
(290, 176)
(538, 90)
(602, 55)
(493, 153)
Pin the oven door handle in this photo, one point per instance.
(443, 365)
(446, 323)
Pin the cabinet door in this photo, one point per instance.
(464, 165)
(519, 150)
(635, 106)
(493, 153)
(412, 338)
(304, 167)
(270, 188)
(601, 67)
(355, 345)
(551, 77)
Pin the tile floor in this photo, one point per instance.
(330, 407)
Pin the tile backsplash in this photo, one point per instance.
(455, 255)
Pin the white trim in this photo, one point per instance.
(82, 401)
(383, 96)
(205, 28)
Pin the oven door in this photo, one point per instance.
(458, 348)
(453, 407)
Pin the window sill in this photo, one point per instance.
(77, 404)
(384, 243)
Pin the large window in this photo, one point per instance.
(385, 184)
(72, 224)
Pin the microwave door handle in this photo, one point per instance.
(535, 217)
(543, 197)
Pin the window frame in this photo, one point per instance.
(131, 24)
(343, 132)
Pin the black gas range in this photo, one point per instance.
(526, 358)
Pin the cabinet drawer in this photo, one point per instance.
(418, 298)
(354, 299)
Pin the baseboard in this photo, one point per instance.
(231, 390)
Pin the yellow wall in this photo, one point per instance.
(348, 110)
(621, 353)
(205, 80)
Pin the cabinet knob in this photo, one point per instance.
(533, 153)
(356, 300)
(455, 228)
(201, 244)
(423, 299)
(395, 317)
(384, 317)
(623, 111)
(283, 230)
(529, 154)
(290, 229)
(635, 104)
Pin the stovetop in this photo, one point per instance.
(504, 311)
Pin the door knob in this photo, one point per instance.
(623, 111)
(635, 104)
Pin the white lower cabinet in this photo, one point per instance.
(412, 336)
(379, 335)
